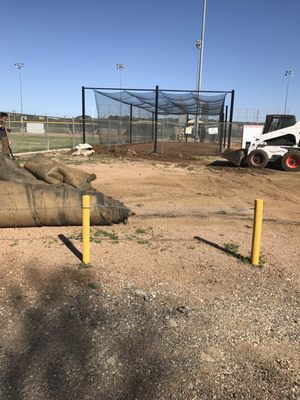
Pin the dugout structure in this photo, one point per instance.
(150, 108)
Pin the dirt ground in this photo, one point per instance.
(170, 307)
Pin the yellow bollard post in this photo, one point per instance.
(86, 229)
(257, 227)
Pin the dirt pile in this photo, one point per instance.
(166, 151)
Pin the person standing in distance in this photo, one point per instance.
(3, 135)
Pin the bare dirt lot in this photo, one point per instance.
(170, 308)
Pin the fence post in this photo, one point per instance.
(162, 136)
(225, 125)
(257, 115)
(130, 125)
(152, 128)
(230, 119)
(73, 132)
(156, 119)
(47, 134)
(221, 132)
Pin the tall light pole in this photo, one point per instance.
(200, 47)
(288, 73)
(19, 66)
(120, 67)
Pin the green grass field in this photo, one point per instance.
(23, 143)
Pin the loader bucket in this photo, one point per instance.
(234, 156)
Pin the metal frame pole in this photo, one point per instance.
(73, 132)
(230, 119)
(83, 112)
(221, 131)
(152, 127)
(156, 119)
(225, 125)
(163, 90)
(130, 125)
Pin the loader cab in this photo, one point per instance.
(274, 122)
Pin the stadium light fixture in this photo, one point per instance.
(288, 73)
(19, 66)
(198, 44)
(120, 67)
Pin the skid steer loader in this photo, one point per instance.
(278, 141)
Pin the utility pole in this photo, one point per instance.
(200, 47)
(288, 73)
(120, 67)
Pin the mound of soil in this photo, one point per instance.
(167, 151)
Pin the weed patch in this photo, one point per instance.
(233, 250)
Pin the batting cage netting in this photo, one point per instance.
(143, 116)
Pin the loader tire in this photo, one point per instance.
(291, 161)
(257, 159)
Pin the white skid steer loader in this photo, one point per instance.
(278, 141)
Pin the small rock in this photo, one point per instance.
(207, 357)
(112, 360)
(172, 323)
(181, 309)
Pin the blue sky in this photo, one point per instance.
(66, 44)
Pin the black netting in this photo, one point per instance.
(129, 116)
(169, 103)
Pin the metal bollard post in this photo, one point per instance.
(257, 227)
(86, 229)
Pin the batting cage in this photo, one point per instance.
(128, 116)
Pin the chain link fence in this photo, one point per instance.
(42, 133)
(45, 133)
(254, 116)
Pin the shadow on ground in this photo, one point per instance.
(72, 342)
(65, 335)
(273, 166)
(231, 253)
(73, 249)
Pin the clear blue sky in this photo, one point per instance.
(66, 44)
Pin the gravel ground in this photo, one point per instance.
(165, 311)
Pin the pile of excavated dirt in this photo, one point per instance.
(166, 151)
(170, 307)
